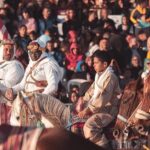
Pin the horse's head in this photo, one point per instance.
(145, 106)
(132, 95)
(16, 109)
(143, 113)
(24, 112)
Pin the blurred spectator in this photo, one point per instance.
(72, 36)
(142, 39)
(81, 71)
(116, 45)
(85, 39)
(7, 20)
(55, 52)
(33, 35)
(21, 55)
(103, 44)
(73, 57)
(28, 21)
(52, 4)
(147, 61)
(71, 22)
(21, 37)
(89, 63)
(140, 17)
(133, 50)
(92, 21)
(73, 97)
(97, 35)
(83, 9)
(147, 70)
(104, 20)
(47, 21)
(135, 67)
(120, 7)
(125, 27)
(126, 78)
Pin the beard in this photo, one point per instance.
(7, 57)
(35, 56)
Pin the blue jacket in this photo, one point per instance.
(45, 24)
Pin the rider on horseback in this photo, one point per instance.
(42, 74)
(11, 71)
(101, 100)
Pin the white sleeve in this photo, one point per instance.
(13, 76)
(20, 86)
(2, 88)
(52, 79)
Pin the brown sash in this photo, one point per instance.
(34, 66)
(35, 91)
(42, 83)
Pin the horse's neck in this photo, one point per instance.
(134, 112)
(46, 122)
(146, 103)
(129, 102)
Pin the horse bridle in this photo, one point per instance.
(26, 101)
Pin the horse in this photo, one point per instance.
(22, 138)
(142, 114)
(129, 131)
(23, 114)
(18, 113)
(131, 97)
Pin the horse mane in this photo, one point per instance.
(132, 88)
(61, 139)
(135, 84)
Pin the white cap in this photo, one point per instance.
(42, 40)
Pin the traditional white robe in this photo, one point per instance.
(47, 69)
(11, 73)
(102, 95)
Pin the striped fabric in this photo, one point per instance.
(5, 112)
(19, 138)
(4, 35)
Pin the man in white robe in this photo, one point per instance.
(42, 74)
(11, 71)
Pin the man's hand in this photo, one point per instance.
(79, 105)
(84, 113)
(143, 18)
(9, 94)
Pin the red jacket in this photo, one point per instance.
(73, 58)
